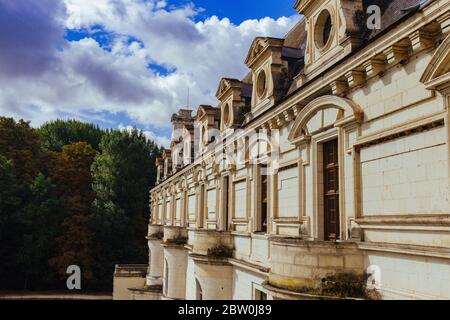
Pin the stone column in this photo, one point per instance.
(175, 272)
(175, 263)
(156, 256)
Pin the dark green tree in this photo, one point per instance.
(10, 227)
(123, 174)
(56, 134)
(30, 219)
(40, 219)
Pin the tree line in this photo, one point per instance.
(71, 194)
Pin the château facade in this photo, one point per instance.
(330, 157)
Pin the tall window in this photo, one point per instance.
(166, 277)
(262, 217)
(225, 190)
(201, 215)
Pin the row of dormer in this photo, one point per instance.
(330, 31)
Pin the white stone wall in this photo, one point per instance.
(406, 175)
(215, 280)
(412, 277)
(155, 274)
(191, 290)
(175, 273)
(244, 283)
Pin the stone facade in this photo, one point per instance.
(353, 180)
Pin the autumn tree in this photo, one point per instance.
(76, 244)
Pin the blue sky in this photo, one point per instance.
(126, 63)
(241, 10)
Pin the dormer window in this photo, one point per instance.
(333, 32)
(268, 65)
(261, 84)
(323, 28)
(208, 121)
(233, 95)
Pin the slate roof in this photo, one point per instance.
(391, 12)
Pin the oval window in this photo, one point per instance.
(323, 29)
(226, 115)
(261, 83)
(205, 135)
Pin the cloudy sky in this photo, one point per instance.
(126, 63)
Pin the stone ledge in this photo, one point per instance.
(249, 266)
(154, 237)
(292, 295)
(209, 259)
(214, 231)
(174, 245)
(301, 242)
(130, 271)
(149, 289)
(406, 249)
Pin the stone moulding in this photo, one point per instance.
(414, 250)
(351, 113)
(405, 129)
(209, 260)
(426, 219)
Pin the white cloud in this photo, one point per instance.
(81, 77)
